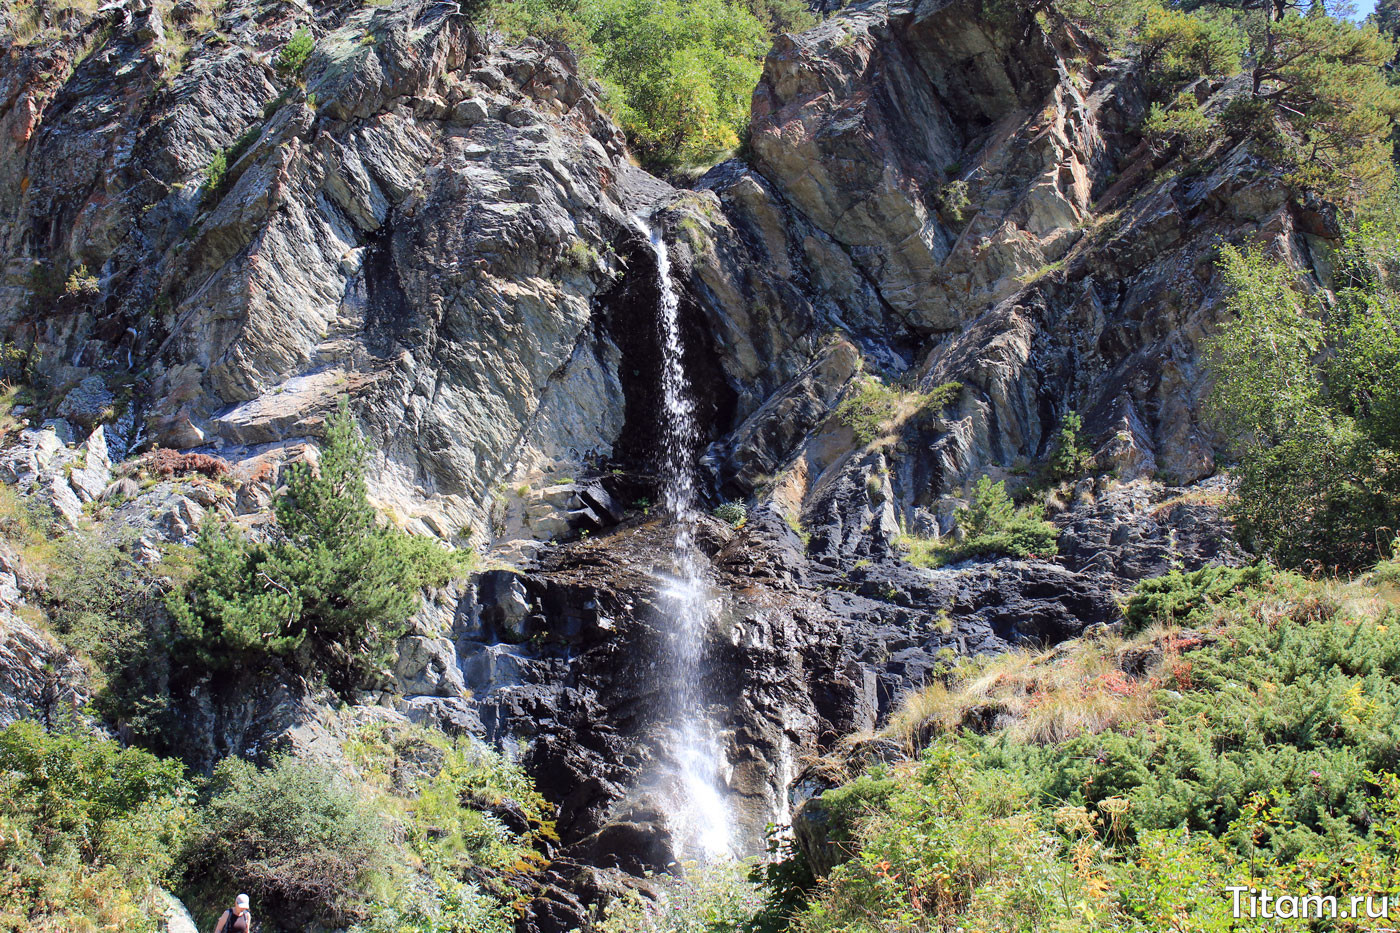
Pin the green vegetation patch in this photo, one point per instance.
(1315, 421)
(1181, 598)
(677, 74)
(293, 58)
(734, 512)
(990, 525)
(874, 410)
(87, 830)
(408, 840)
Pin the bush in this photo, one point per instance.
(298, 838)
(217, 171)
(1190, 598)
(1070, 459)
(330, 590)
(1250, 719)
(1315, 423)
(713, 899)
(291, 61)
(82, 284)
(1174, 46)
(779, 16)
(990, 525)
(446, 793)
(104, 605)
(87, 829)
(873, 410)
(953, 201)
(735, 513)
(1183, 122)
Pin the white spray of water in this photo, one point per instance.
(699, 812)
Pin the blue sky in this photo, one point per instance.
(1363, 7)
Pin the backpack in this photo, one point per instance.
(230, 919)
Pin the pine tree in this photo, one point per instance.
(330, 589)
(990, 511)
(1324, 78)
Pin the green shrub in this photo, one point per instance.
(329, 591)
(445, 903)
(1174, 46)
(216, 176)
(304, 843)
(874, 410)
(105, 606)
(1297, 706)
(291, 61)
(953, 201)
(101, 605)
(715, 898)
(990, 525)
(87, 829)
(846, 808)
(1183, 121)
(955, 847)
(217, 171)
(14, 363)
(779, 16)
(1190, 598)
(81, 284)
(441, 790)
(403, 841)
(735, 513)
(1070, 459)
(993, 525)
(970, 845)
(1315, 423)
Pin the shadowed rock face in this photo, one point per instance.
(440, 226)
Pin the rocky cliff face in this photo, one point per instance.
(441, 225)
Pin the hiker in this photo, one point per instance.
(238, 919)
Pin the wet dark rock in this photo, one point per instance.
(635, 845)
(811, 830)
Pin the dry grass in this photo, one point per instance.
(25, 532)
(1213, 497)
(921, 551)
(1090, 685)
(31, 19)
(1041, 696)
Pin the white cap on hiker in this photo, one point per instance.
(241, 901)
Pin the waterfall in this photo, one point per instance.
(699, 813)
